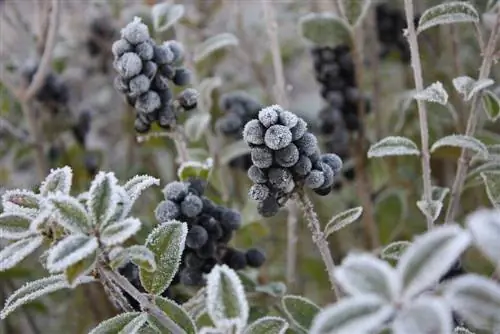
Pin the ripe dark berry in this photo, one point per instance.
(207, 250)
(277, 137)
(235, 259)
(166, 210)
(193, 261)
(268, 207)
(231, 218)
(182, 77)
(196, 237)
(191, 206)
(191, 277)
(175, 191)
(257, 175)
(255, 257)
(188, 99)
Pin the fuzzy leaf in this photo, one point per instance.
(324, 29)
(196, 125)
(136, 185)
(484, 226)
(433, 93)
(491, 180)
(352, 315)
(354, 11)
(212, 44)
(393, 146)
(226, 301)
(196, 169)
(14, 226)
(174, 312)
(439, 193)
(165, 15)
(140, 255)
(394, 250)
(206, 88)
(117, 324)
(491, 105)
(23, 201)
(300, 310)
(476, 299)
(462, 330)
(424, 315)
(59, 180)
(71, 214)
(103, 198)
(432, 209)
(234, 150)
(123, 206)
(118, 232)
(167, 244)
(451, 12)
(14, 253)
(429, 258)
(343, 219)
(267, 325)
(69, 251)
(462, 141)
(80, 269)
(468, 87)
(41, 221)
(36, 289)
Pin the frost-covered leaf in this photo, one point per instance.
(166, 15)
(206, 88)
(484, 226)
(267, 325)
(343, 219)
(462, 330)
(138, 254)
(352, 315)
(80, 269)
(431, 209)
(69, 251)
(212, 44)
(491, 105)
(394, 250)
(14, 253)
(176, 313)
(462, 141)
(429, 258)
(103, 198)
(118, 232)
(469, 87)
(71, 214)
(58, 180)
(476, 299)
(439, 193)
(324, 29)
(14, 226)
(166, 242)
(226, 301)
(118, 323)
(433, 93)
(20, 200)
(196, 125)
(41, 221)
(450, 12)
(354, 11)
(195, 169)
(424, 315)
(491, 180)
(136, 185)
(123, 206)
(234, 150)
(211, 330)
(274, 289)
(393, 145)
(36, 289)
(301, 311)
(364, 274)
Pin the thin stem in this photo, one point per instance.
(465, 157)
(422, 111)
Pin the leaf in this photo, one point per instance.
(69, 251)
(212, 44)
(20, 200)
(267, 325)
(491, 105)
(324, 29)
(300, 310)
(196, 125)
(118, 232)
(116, 324)
(343, 219)
(447, 13)
(136, 185)
(80, 269)
(393, 146)
(431, 209)
(14, 253)
(468, 87)
(433, 93)
(165, 15)
(226, 301)
(429, 258)
(462, 141)
(352, 315)
(195, 169)
(424, 315)
(233, 151)
(206, 88)
(462, 330)
(439, 193)
(58, 180)
(274, 289)
(176, 313)
(36, 289)
(71, 214)
(476, 299)
(354, 11)
(140, 255)
(166, 242)
(484, 225)
(103, 198)
(491, 180)
(394, 250)
(14, 226)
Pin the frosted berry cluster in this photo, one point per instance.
(285, 156)
(145, 70)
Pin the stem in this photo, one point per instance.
(422, 112)
(318, 237)
(465, 157)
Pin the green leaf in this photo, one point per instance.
(324, 29)
(354, 11)
(116, 324)
(174, 312)
(165, 15)
(431, 209)
(462, 141)
(206, 88)
(14, 253)
(118, 232)
(447, 13)
(274, 289)
(103, 198)
(394, 250)
(343, 219)
(71, 214)
(80, 269)
(59, 180)
(300, 310)
(234, 150)
(267, 325)
(491, 181)
(195, 169)
(14, 226)
(167, 244)
(136, 185)
(69, 251)
(393, 145)
(212, 44)
(196, 125)
(491, 105)
(138, 254)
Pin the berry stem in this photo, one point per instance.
(318, 237)
(465, 156)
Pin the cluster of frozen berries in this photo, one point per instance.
(285, 156)
(210, 228)
(145, 70)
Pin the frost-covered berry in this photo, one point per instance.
(258, 192)
(288, 156)
(141, 126)
(303, 166)
(182, 76)
(257, 175)
(208, 205)
(160, 82)
(162, 54)
(129, 65)
(191, 277)
(188, 98)
(288, 119)
(231, 218)
(315, 179)
(277, 137)
(139, 85)
(197, 186)
(166, 117)
(328, 174)
(166, 210)
(268, 207)
(332, 160)
(235, 259)
(299, 129)
(145, 50)
(177, 50)
(280, 178)
(148, 102)
(255, 257)
(196, 237)
(191, 206)
(268, 116)
(323, 191)
(135, 32)
(149, 69)
(120, 47)
(308, 144)
(207, 251)
(167, 71)
(175, 191)
(120, 85)
(193, 261)
(262, 157)
(253, 132)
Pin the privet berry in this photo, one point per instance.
(255, 257)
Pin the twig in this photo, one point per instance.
(422, 112)
(465, 157)
(15, 132)
(44, 8)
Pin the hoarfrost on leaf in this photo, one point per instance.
(425, 315)
(69, 251)
(118, 232)
(103, 198)
(58, 180)
(324, 29)
(433, 93)
(80, 269)
(300, 310)
(491, 180)
(14, 226)
(14, 253)
(176, 313)
(71, 214)
(491, 105)
(430, 209)
(394, 250)
(484, 225)
(138, 254)
(165, 15)
(464, 142)
(212, 44)
(343, 219)
(267, 325)
(447, 13)
(22, 201)
(136, 185)
(115, 324)
(354, 11)
(468, 87)
(393, 145)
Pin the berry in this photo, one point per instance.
(120, 85)
(193, 261)
(135, 32)
(328, 175)
(268, 207)
(288, 119)
(188, 98)
(145, 50)
(120, 47)
(197, 186)
(149, 69)
(191, 277)
(268, 116)
(207, 250)
(191, 206)
(162, 54)
(288, 156)
(255, 258)
(140, 126)
(182, 77)
(257, 175)
(299, 130)
(262, 157)
(129, 65)
(315, 179)
(231, 218)
(139, 85)
(196, 237)
(160, 82)
(303, 166)
(258, 192)
(148, 102)
(333, 161)
(235, 259)
(308, 144)
(166, 210)
(277, 137)
(280, 178)
(253, 132)
(177, 50)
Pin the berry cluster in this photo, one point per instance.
(210, 228)
(285, 156)
(145, 70)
